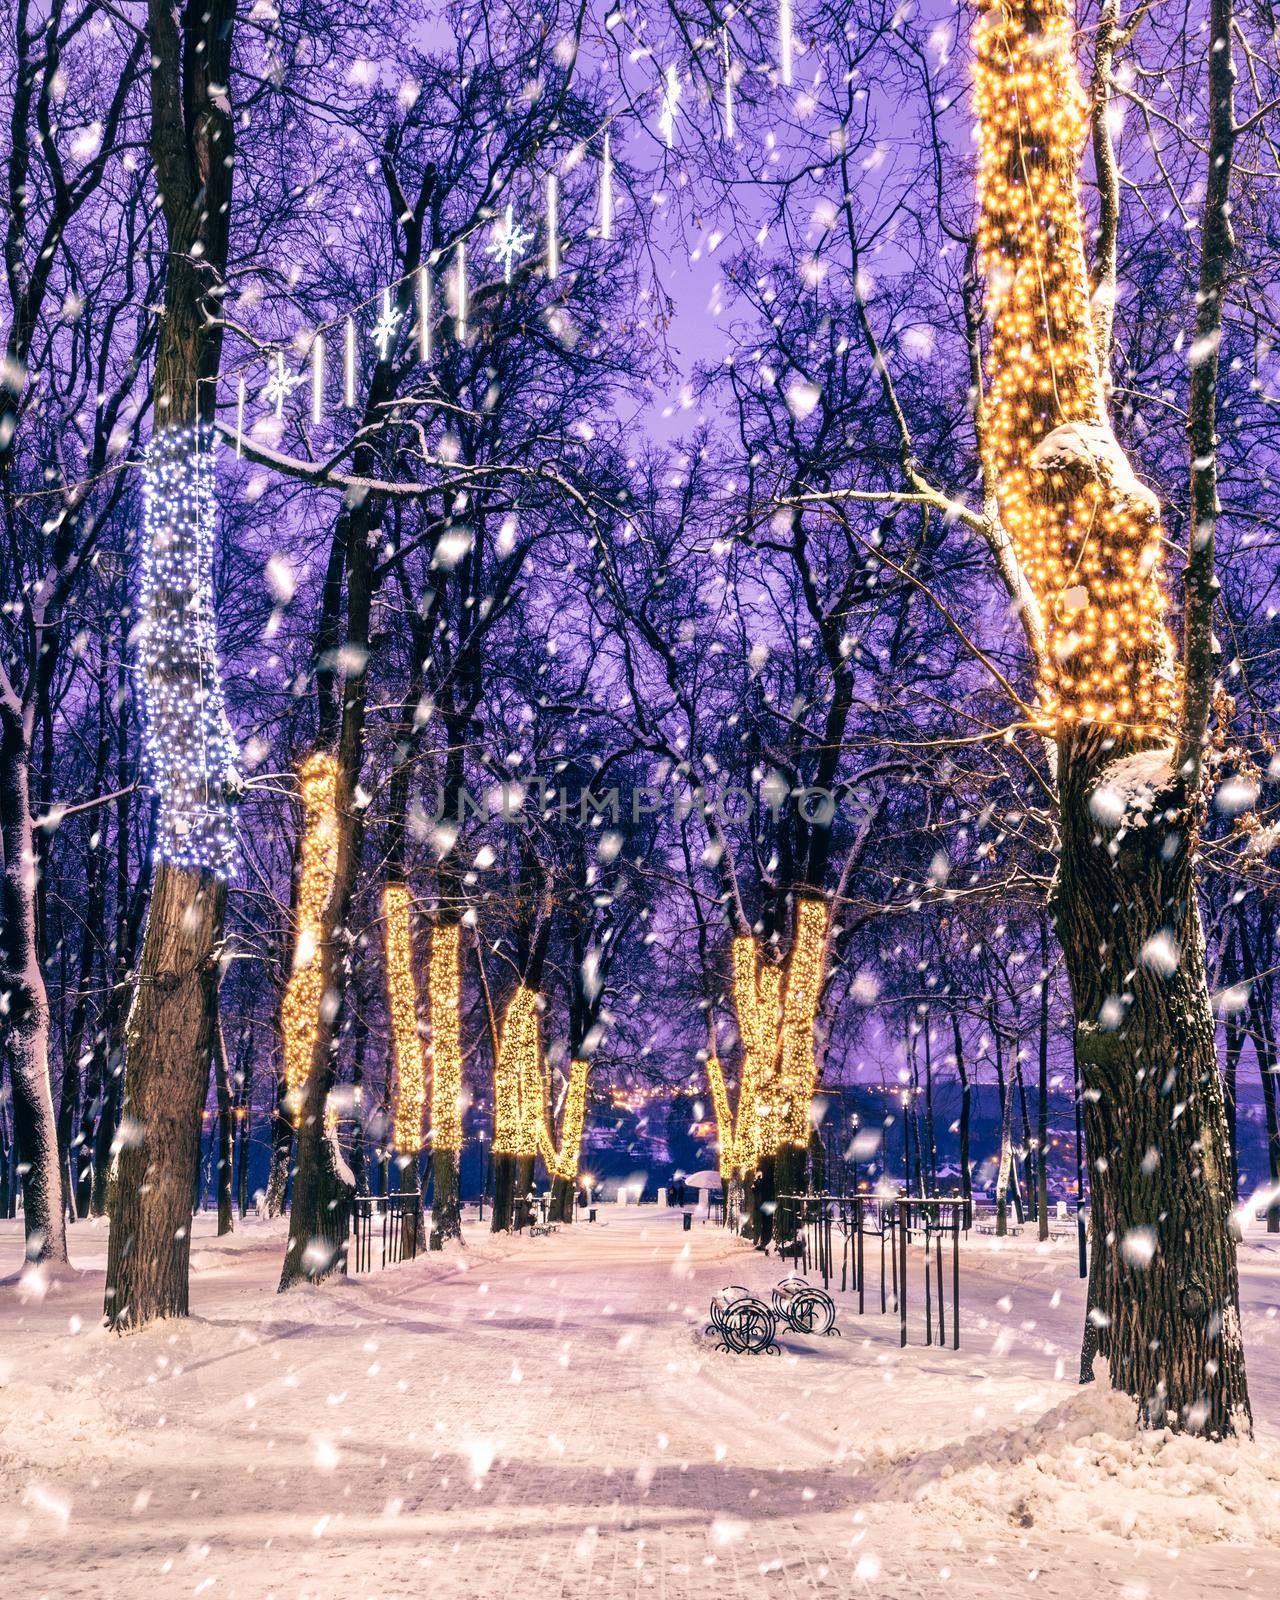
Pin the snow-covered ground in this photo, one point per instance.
(545, 1418)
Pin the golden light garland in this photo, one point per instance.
(304, 993)
(797, 1061)
(517, 1070)
(757, 993)
(779, 1069)
(724, 1118)
(563, 1163)
(406, 1038)
(444, 991)
(1085, 531)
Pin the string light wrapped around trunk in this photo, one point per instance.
(406, 1038)
(797, 1061)
(757, 991)
(724, 1117)
(518, 1067)
(563, 1163)
(190, 750)
(1085, 531)
(304, 993)
(444, 989)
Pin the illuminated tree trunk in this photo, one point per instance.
(1087, 536)
(406, 1043)
(170, 1029)
(322, 1186)
(445, 997)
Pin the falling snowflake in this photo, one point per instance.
(509, 244)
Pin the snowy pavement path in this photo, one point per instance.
(546, 1414)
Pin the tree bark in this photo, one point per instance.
(966, 1109)
(94, 906)
(1129, 924)
(171, 1022)
(226, 1130)
(170, 1034)
(1042, 1098)
(504, 1193)
(28, 1017)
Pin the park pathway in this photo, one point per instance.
(544, 1418)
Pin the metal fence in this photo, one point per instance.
(401, 1226)
(884, 1226)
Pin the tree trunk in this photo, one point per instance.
(1030, 1166)
(226, 1130)
(561, 1209)
(446, 1204)
(27, 1022)
(1129, 924)
(966, 1110)
(273, 1202)
(1006, 1157)
(1042, 1101)
(244, 1132)
(172, 1019)
(504, 1192)
(1265, 1051)
(170, 1034)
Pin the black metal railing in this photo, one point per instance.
(884, 1224)
(399, 1219)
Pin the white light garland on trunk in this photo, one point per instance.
(190, 749)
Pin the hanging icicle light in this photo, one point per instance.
(190, 749)
(304, 993)
(424, 314)
(317, 379)
(460, 291)
(240, 396)
(727, 64)
(785, 43)
(444, 993)
(402, 1004)
(349, 365)
(606, 191)
(669, 105)
(553, 226)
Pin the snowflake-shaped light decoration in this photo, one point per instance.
(509, 244)
(384, 329)
(279, 385)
